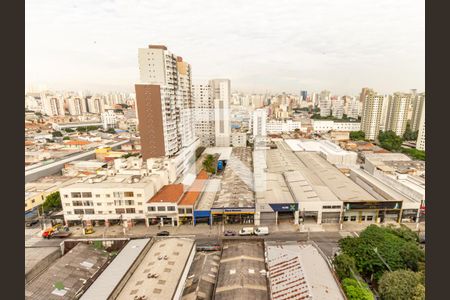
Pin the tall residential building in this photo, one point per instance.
(77, 106)
(259, 122)
(371, 114)
(53, 105)
(420, 144)
(325, 103)
(338, 108)
(352, 107)
(204, 114)
(304, 95)
(109, 119)
(384, 112)
(96, 105)
(364, 92)
(397, 116)
(418, 106)
(221, 93)
(164, 103)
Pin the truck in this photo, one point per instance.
(246, 231)
(58, 232)
(262, 231)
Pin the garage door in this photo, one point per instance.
(330, 217)
(267, 218)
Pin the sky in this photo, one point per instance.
(261, 46)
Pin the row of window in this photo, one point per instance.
(92, 212)
(89, 195)
(331, 206)
(91, 203)
(363, 218)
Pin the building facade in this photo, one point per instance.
(221, 91)
(397, 115)
(420, 144)
(204, 114)
(371, 114)
(259, 121)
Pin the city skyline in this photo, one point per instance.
(293, 47)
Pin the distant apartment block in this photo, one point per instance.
(418, 106)
(259, 121)
(371, 114)
(325, 104)
(204, 114)
(53, 105)
(77, 106)
(420, 144)
(220, 91)
(397, 115)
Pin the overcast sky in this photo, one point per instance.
(260, 45)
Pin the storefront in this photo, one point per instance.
(202, 217)
(233, 215)
(376, 212)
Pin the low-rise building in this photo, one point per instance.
(279, 126)
(328, 125)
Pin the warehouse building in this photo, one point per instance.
(202, 208)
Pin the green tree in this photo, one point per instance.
(390, 141)
(401, 285)
(199, 151)
(68, 130)
(52, 201)
(57, 134)
(410, 135)
(357, 135)
(208, 164)
(345, 266)
(111, 130)
(356, 290)
(66, 138)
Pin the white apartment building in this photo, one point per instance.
(338, 108)
(239, 139)
(119, 194)
(259, 121)
(77, 106)
(420, 144)
(221, 93)
(325, 103)
(53, 105)
(397, 115)
(328, 125)
(418, 105)
(204, 114)
(96, 105)
(371, 114)
(352, 107)
(109, 119)
(278, 126)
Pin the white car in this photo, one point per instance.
(262, 231)
(246, 231)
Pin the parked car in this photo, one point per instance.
(246, 231)
(262, 231)
(163, 233)
(89, 230)
(229, 233)
(31, 223)
(208, 247)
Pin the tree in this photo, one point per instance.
(344, 266)
(52, 201)
(356, 290)
(390, 141)
(357, 135)
(199, 151)
(111, 130)
(208, 164)
(57, 134)
(410, 135)
(401, 285)
(66, 138)
(68, 130)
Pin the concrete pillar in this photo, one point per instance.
(296, 215)
(276, 217)
(147, 224)
(130, 223)
(257, 218)
(319, 217)
(106, 223)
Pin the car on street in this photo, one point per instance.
(229, 233)
(262, 231)
(163, 233)
(31, 223)
(246, 231)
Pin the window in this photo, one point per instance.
(363, 218)
(151, 208)
(68, 212)
(139, 195)
(97, 195)
(108, 195)
(189, 210)
(129, 202)
(89, 211)
(141, 211)
(161, 208)
(345, 219)
(117, 202)
(78, 211)
(181, 210)
(77, 203)
(110, 203)
(117, 194)
(99, 204)
(130, 210)
(99, 212)
(353, 218)
(66, 204)
(87, 195)
(32, 201)
(139, 203)
(65, 196)
(170, 208)
(369, 218)
(88, 203)
(75, 195)
(120, 211)
(128, 194)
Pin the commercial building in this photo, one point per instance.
(397, 115)
(162, 208)
(220, 91)
(279, 126)
(168, 260)
(259, 120)
(420, 144)
(202, 208)
(371, 114)
(328, 125)
(242, 271)
(164, 103)
(299, 271)
(190, 198)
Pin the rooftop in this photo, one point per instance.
(191, 196)
(298, 271)
(224, 152)
(242, 271)
(67, 275)
(209, 194)
(168, 193)
(105, 284)
(116, 181)
(167, 258)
